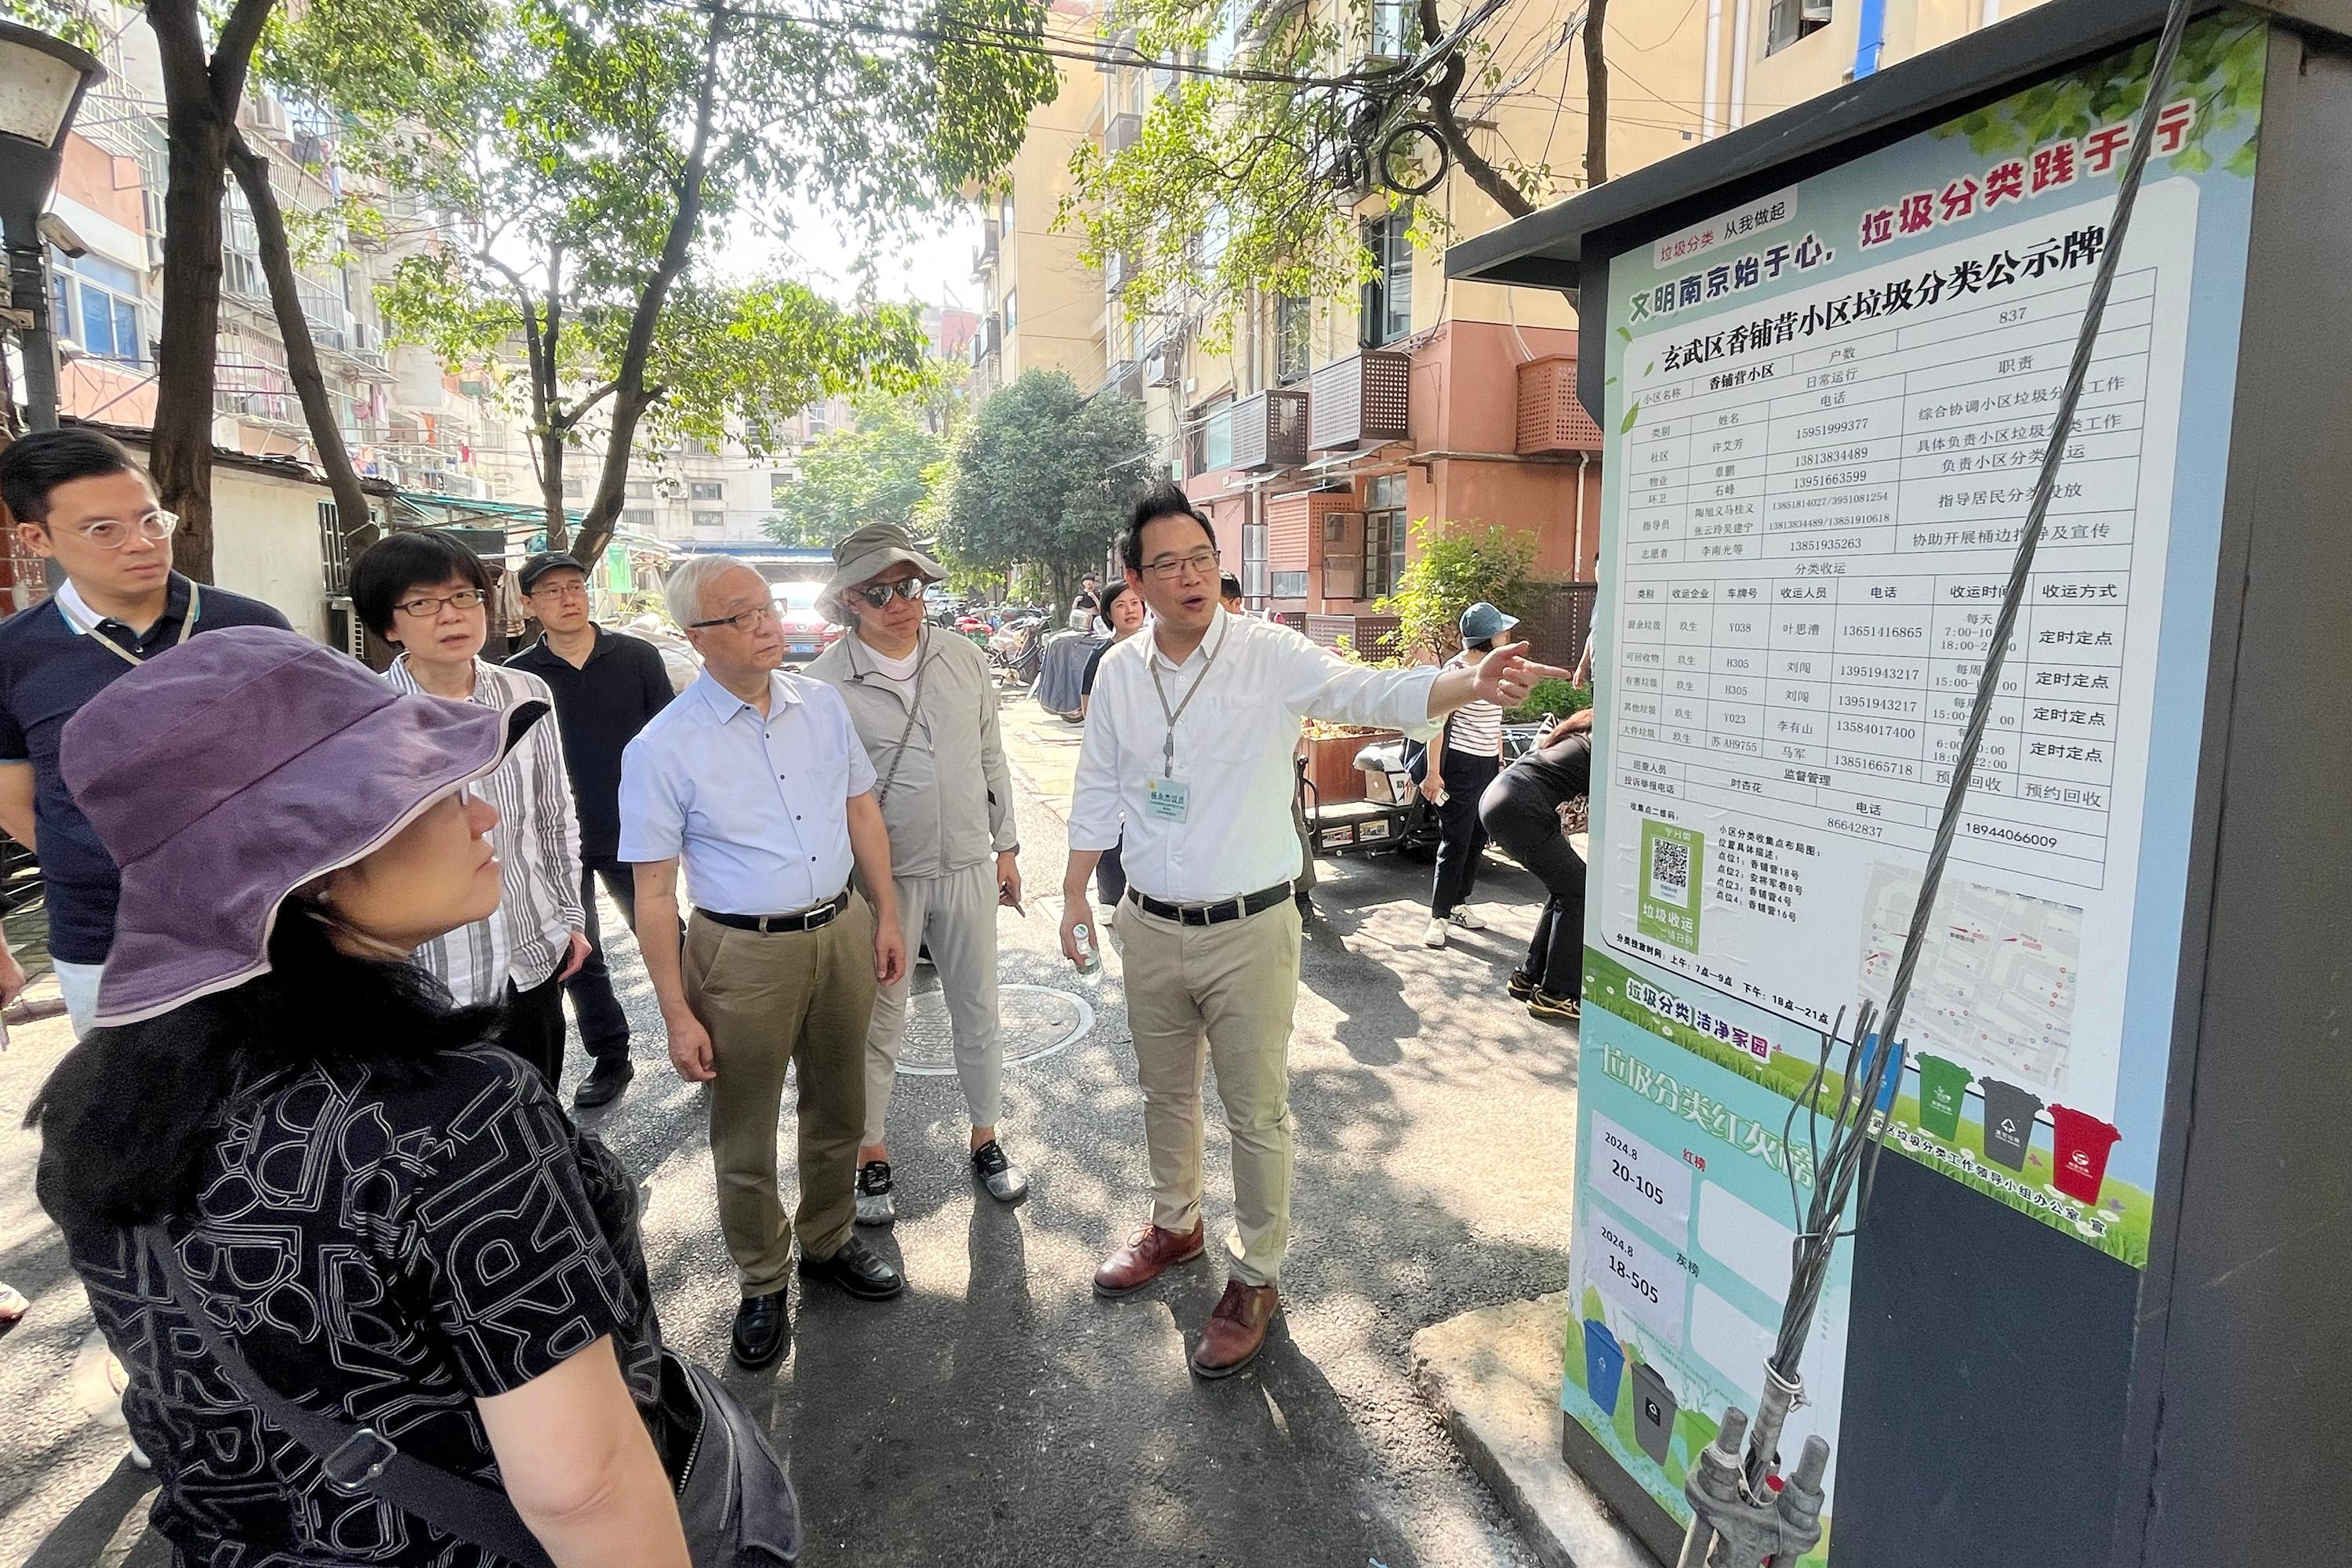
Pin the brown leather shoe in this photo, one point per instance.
(1235, 1331)
(1146, 1253)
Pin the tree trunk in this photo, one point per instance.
(631, 395)
(252, 170)
(1596, 95)
(1439, 98)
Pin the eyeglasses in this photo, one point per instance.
(559, 592)
(880, 594)
(744, 621)
(1201, 563)
(426, 606)
(113, 532)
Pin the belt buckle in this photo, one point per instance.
(350, 1473)
(1241, 906)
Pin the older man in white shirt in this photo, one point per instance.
(1188, 753)
(755, 780)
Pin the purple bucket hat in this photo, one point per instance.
(225, 773)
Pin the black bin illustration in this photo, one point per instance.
(1654, 1411)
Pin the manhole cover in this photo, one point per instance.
(1037, 1021)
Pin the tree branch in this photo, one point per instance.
(232, 53)
(1439, 97)
(1596, 95)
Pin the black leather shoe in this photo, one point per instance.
(605, 1083)
(857, 1269)
(763, 1330)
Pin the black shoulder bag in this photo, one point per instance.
(734, 1499)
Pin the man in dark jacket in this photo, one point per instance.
(606, 687)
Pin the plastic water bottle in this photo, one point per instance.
(1082, 936)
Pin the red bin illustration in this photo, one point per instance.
(2083, 1143)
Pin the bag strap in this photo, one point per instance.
(914, 711)
(359, 1460)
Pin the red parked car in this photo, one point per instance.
(807, 633)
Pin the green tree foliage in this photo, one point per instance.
(1450, 571)
(580, 153)
(1240, 184)
(879, 470)
(1042, 476)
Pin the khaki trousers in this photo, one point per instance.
(770, 1000)
(955, 916)
(1222, 994)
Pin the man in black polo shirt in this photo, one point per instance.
(78, 497)
(606, 686)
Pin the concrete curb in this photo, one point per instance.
(1494, 1374)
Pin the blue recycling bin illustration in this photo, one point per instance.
(1604, 1365)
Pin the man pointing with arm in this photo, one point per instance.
(1188, 750)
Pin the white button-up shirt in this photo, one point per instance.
(1235, 743)
(756, 806)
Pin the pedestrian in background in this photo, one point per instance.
(756, 782)
(1124, 610)
(1086, 606)
(1463, 761)
(1190, 755)
(283, 1164)
(926, 713)
(427, 594)
(606, 687)
(1521, 810)
(78, 498)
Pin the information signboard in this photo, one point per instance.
(1826, 410)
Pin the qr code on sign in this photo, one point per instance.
(1670, 871)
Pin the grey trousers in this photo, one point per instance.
(955, 917)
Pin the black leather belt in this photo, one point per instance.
(1224, 910)
(806, 919)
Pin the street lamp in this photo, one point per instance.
(42, 80)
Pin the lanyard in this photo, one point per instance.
(187, 628)
(1168, 746)
(914, 710)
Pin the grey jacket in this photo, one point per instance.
(938, 821)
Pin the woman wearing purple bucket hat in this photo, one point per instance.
(422, 1327)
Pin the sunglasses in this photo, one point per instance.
(880, 594)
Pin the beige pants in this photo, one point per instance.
(768, 1001)
(1222, 994)
(955, 917)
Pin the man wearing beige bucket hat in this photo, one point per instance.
(926, 710)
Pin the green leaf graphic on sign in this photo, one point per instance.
(1633, 417)
(1626, 333)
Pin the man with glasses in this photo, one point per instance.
(1188, 752)
(606, 688)
(76, 497)
(427, 593)
(755, 783)
(925, 712)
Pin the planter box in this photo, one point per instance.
(1331, 764)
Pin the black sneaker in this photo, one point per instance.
(875, 1204)
(857, 1269)
(763, 1329)
(1544, 1005)
(1521, 985)
(604, 1082)
(1006, 1182)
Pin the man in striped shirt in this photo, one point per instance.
(1463, 761)
(429, 594)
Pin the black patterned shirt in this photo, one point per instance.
(391, 1253)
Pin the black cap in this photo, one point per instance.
(546, 561)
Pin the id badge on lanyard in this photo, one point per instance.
(1166, 797)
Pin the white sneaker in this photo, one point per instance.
(1435, 935)
(1466, 920)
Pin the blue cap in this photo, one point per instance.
(1481, 621)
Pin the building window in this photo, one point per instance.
(96, 305)
(1388, 297)
(638, 489)
(710, 519)
(1010, 317)
(1386, 534)
(707, 490)
(694, 447)
(573, 488)
(1294, 332)
(1290, 586)
(1253, 560)
(1396, 31)
(640, 518)
(1793, 19)
(1212, 439)
(780, 485)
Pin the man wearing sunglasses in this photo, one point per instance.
(76, 497)
(925, 712)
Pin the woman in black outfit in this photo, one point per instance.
(1123, 608)
(1521, 813)
(393, 1222)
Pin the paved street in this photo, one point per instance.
(1000, 1413)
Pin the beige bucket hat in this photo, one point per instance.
(867, 553)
